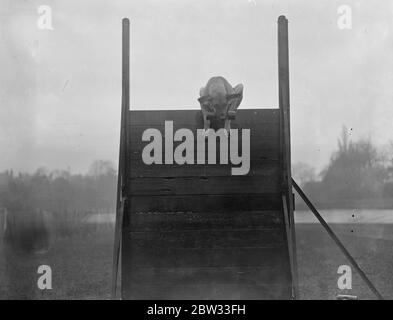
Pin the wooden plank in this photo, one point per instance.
(259, 135)
(261, 147)
(223, 220)
(209, 275)
(284, 105)
(258, 167)
(245, 117)
(203, 257)
(266, 182)
(267, 148)
(207, 238)
(123, 152)
(206, 292)
(266, 128)
(204, 203)
(266, 132)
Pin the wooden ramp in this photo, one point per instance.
(196, 231)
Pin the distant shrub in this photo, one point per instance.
(26, 230)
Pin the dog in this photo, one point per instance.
(219, 102)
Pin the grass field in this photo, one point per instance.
(81, 269)
(81, 265)
(319, 258)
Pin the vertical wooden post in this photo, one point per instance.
(125, 95)
(284, 104)
(123, 163)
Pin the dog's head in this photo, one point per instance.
(218, 105)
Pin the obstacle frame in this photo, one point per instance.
(287, 181)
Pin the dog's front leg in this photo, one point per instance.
(206, 121)
(227, 126)
(235, 102)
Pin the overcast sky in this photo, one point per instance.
(60, 90)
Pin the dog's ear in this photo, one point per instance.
(233, 96)
(204, 99)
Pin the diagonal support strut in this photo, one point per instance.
(337, 240)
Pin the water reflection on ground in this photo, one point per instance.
(352, 216)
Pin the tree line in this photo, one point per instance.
(357, 171)
(60, 190)
(358, 174)
(37, 207)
